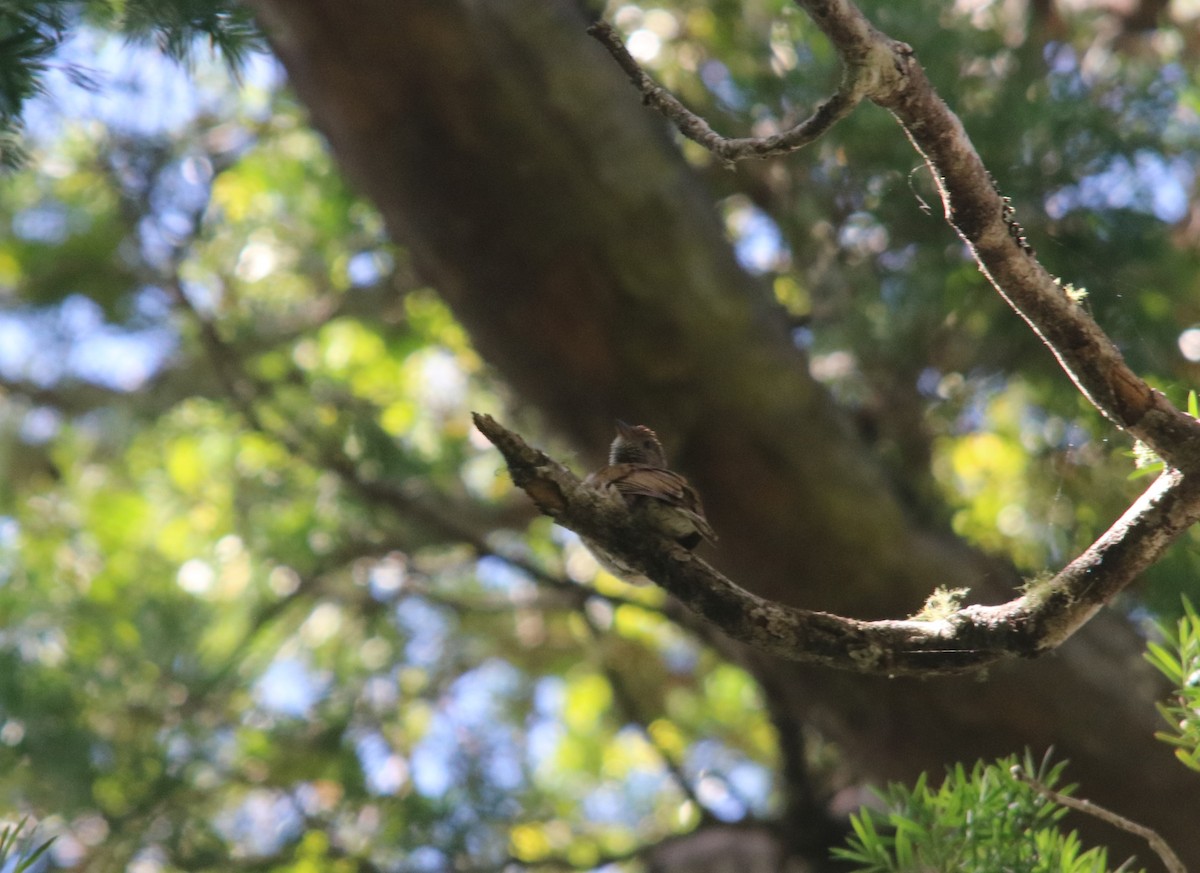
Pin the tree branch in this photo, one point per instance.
(964, 640)
(1160, 846)
(627, 704)
(885, 71)
(695, 128)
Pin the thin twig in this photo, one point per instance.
(1157, 843)
(695, 128)
(626, 701)
(222, 356)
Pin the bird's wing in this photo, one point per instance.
(653, 482)
(657, 483)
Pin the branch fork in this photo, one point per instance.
(886, 71)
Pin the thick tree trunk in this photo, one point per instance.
(554, 214)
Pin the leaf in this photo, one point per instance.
(1165, 661)
(32, 858)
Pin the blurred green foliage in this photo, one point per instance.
(257, 600)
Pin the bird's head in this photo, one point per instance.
(636, 444)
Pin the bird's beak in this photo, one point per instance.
(625, 430)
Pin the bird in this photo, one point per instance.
(637, 470)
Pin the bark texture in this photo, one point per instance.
(555, 215)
